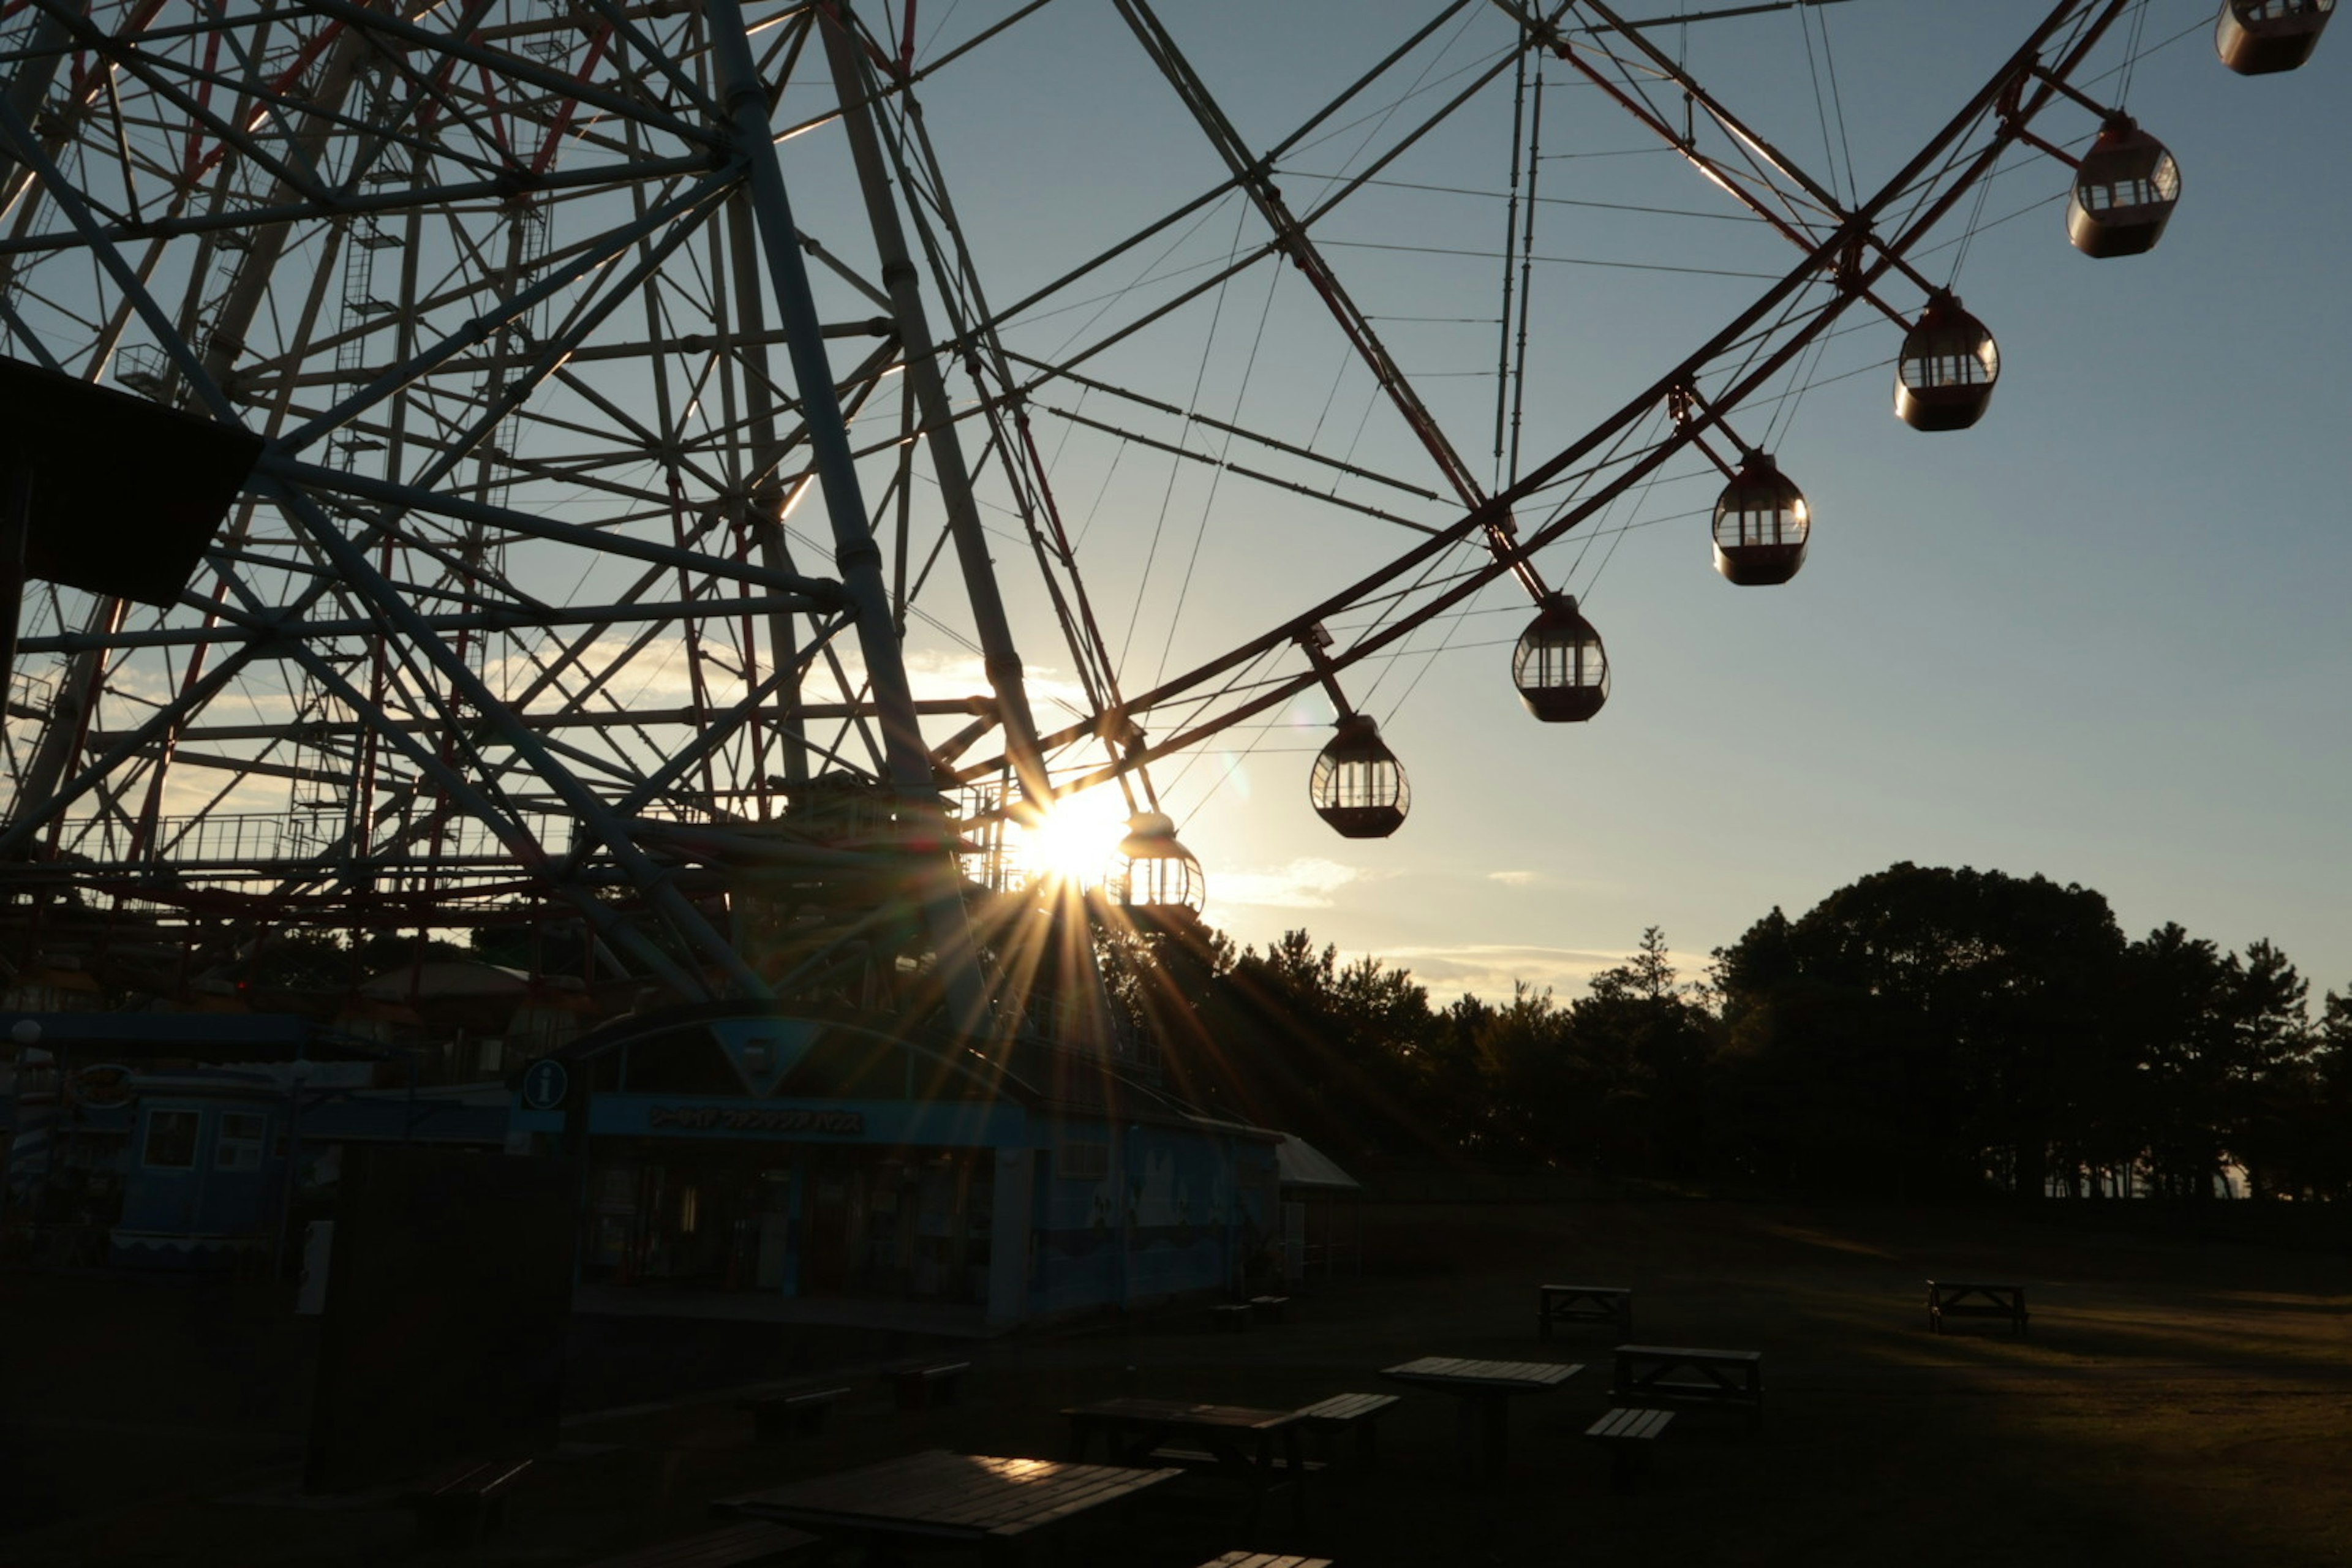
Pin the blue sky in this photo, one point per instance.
(2098, 637)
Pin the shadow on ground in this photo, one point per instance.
(2181, 1400)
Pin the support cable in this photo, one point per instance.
(1510, 239)
(1526, 272)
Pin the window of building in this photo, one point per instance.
(171, 1139)
(238, 1148)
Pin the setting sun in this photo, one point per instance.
(1075, 839)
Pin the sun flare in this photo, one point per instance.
(1074, 840)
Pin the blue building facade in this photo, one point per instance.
(720, 1148)
(830, 1156)
(204, 1167)
(179, 1140)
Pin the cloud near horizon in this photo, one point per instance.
(1305, 883)
(1490, 971)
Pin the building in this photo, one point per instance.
(198, 1139)
(723, 1148)
(728, 1147)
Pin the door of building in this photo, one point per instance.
(826, 1270)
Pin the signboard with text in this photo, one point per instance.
(754, 1119)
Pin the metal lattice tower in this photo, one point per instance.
(605, 505)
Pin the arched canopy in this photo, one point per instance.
(1155, 870)
(1944, 379)
(1559, 666)
(2124, 191)
(1761, 525)
(1358, 785)
(2256, 37)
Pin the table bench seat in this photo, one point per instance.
(1266, 1559)
(1231, 1317)
(733, 1547)
(1268, 1308)
(920, 1387)
(1973, 1298)
(1361, 1413)
(1681, 1374)
(1630, 1436)
(459, 1506)
(780, 1414)
(1611, 1304)
(1483, 1391)
(939, 1499)
(1259, 1448)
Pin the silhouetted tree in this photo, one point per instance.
(2173, 1013)
(2265, 1076)
(1644, 1044)
(1289, 1038)
(1923, 1031)
(1928, 1025)
(2319, 1158)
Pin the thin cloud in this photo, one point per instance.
(1491, 970)
(1306, 883)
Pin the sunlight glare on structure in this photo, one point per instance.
(1073, 841)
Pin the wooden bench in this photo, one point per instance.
(737, 1544)
(459, 1506)
(1231, 1317)
(920, 1387)
(1266, 1559)
(779, 1416)
(1629, 1436)
(1329, 1417)
(1950, 1298)
(1674, 1374)
(1612, 1304)
(1268, 1308)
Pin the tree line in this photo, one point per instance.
(1924, 1031)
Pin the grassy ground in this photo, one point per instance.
(2181, 1400)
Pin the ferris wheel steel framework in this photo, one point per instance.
(417, 695)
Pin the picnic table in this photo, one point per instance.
(1485, 1389)
(1259, 1448)
(1956, 1299)
(1653, 1375)
(1611, 1304)
(942, 1498)
(459, 1506)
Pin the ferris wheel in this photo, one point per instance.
(681, 512)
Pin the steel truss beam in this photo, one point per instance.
(523, 572)
(1820, 263)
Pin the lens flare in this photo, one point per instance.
(1074, 840)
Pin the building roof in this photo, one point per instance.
(1301, 1164)
(445, 979)
(1032, 1073)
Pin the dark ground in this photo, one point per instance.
(2185, 1397)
